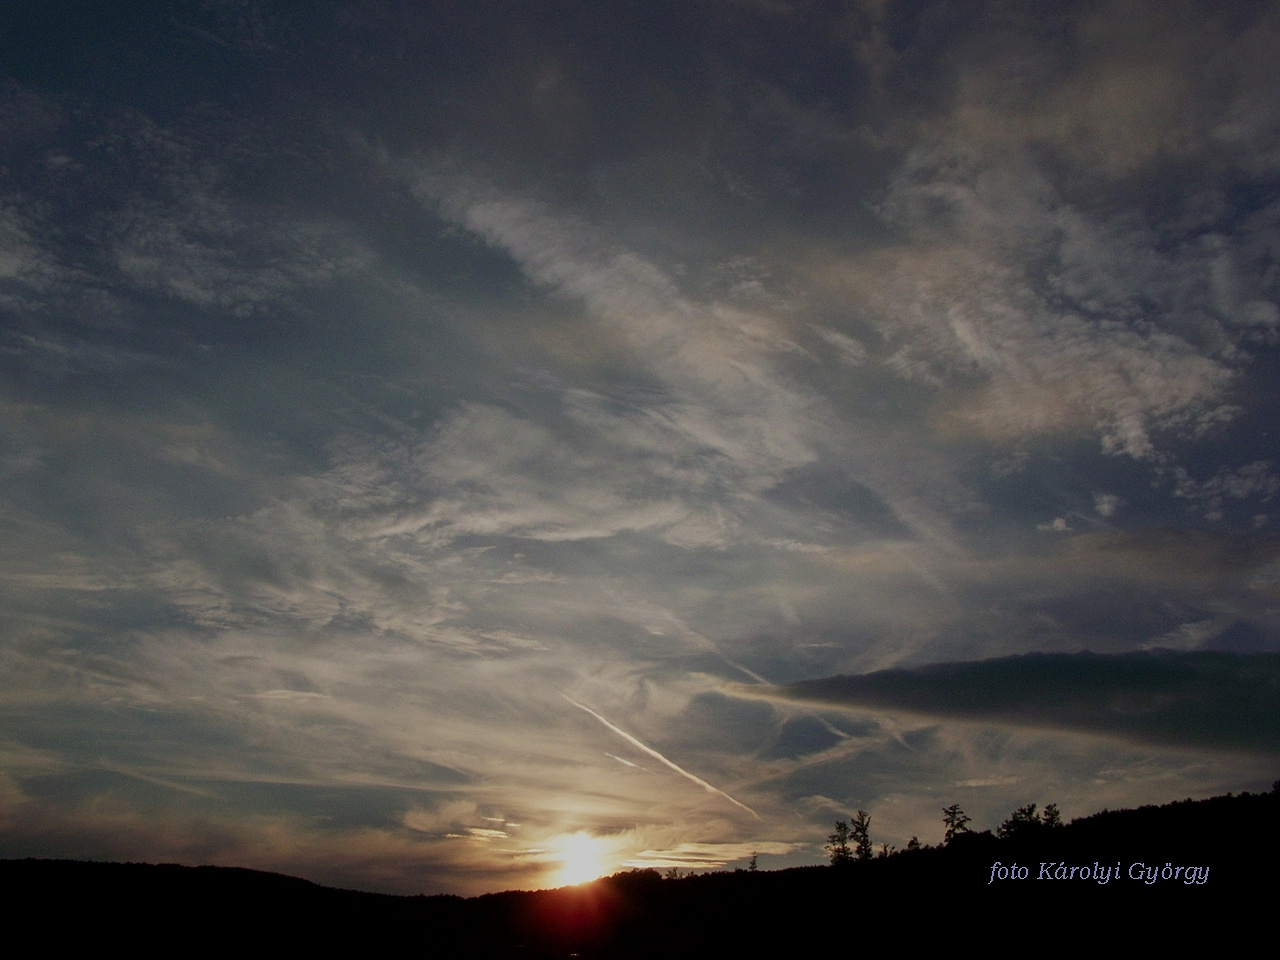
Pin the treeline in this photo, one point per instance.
(851, 840)
(1238, 833)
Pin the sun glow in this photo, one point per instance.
(583, 857)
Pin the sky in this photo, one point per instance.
(434, 436)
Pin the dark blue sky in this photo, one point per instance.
(428, 431)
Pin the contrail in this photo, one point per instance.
(660, 758)
(750, 673)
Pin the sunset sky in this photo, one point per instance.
(430, 433)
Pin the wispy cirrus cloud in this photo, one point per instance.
(718, 361)
(374, 380)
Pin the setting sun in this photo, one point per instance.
(583, 859)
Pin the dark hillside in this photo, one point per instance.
(1127, 865)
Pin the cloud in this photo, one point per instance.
(718, 357)
(705, 856)
(1213, 700)
(663, 760)
(727, 383)
(21, 258)
(848, 349)
(1017, 361)
(1042, 285)
(125, 208)
(1256, 480)
(1106, 504)
(190, 239)
(351, 414)
(494, 474)
(381, 859)
(1176, 558)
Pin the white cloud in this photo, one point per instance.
(961, 308)
(1106, 504)
(849, 350)
(1256, 479)
(1191, 636)
(1058, 525)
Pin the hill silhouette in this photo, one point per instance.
(1124, 870)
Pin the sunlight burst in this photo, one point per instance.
(583, 859)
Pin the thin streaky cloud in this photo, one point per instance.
(661, 759)
(627, 763)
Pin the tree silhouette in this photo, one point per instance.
(1051, 817)
(860, 832)
(838, 845)
(955, 821)
(1021, 822)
